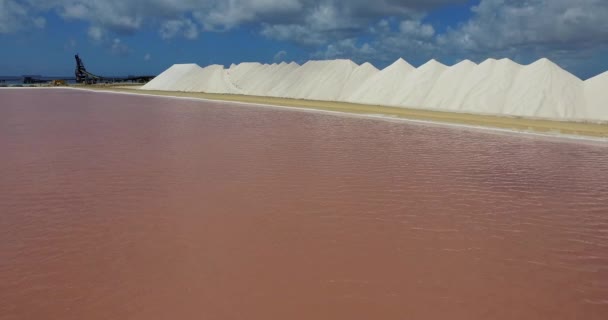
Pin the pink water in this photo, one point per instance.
(126, 207)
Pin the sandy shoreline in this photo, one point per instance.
(598, 130)
(512, 124)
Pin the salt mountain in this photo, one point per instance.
(498, 87)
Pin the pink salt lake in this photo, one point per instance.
(130, 207)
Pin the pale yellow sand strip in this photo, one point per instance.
(502, 122)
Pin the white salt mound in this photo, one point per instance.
(269, 78)
(447, 85)
(356, 80)
(169, 80)
(484, 90)
(499, 87)
(596, 97)
(242, 74)
(211, 79)
(246, 81)
(418, 84)
(543, 89)
(383, 86)
(315, 80)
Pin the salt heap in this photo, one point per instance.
(383, 86)
(498, 87)
(543, 89)
(357, 79)
(243, 74)
(417, 85)
(484, 89)
(596, 96)
(213, 79)
(268, 78)
(192, 78)
(315, 80)
(447, 85)
(174, 78)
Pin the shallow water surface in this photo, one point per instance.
(129, 207)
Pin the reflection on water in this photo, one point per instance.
(123, 207)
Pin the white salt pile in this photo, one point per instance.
(596, 95)
(174, 78)
(414, 89)
(357, 79)
(543, 89)
(318, 80)
(383, 86)
(268, 78)
(485, 89)
(446, 86)
(499, 87)
(213, 79)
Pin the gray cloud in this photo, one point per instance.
(558, 24)
(324, 20)
(570, 32)
(96, 33)
(183, 27)
(280, 56)
(117, 47)
(16, 16)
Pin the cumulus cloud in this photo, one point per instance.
(500, 24)
(411, 39)
(280, 56)
(96, 33)
(16, 16)
(335, 21)
(560, 29)
(117, 47)
(122, 17)
(324, 20)
(183, 27)
(572, 33)
(348, 49)
(224, 15)
(495, 24)
(416, 29)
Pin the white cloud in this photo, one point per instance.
(416, 29)
(16, 16)
(39, 22)
(184, 27)
(117, 47)
(280, 56)
(348, 49)
(555, 24)
(564, 30)
(322, 20)
(75, 11)
(318, 26)
(223, 15)
(96, 33)
(572, 33)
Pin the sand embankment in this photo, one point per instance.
(488, 121)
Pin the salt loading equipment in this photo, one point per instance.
(83, 76)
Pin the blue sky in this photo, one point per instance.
(122, 37)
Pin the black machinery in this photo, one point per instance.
(83, 76)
